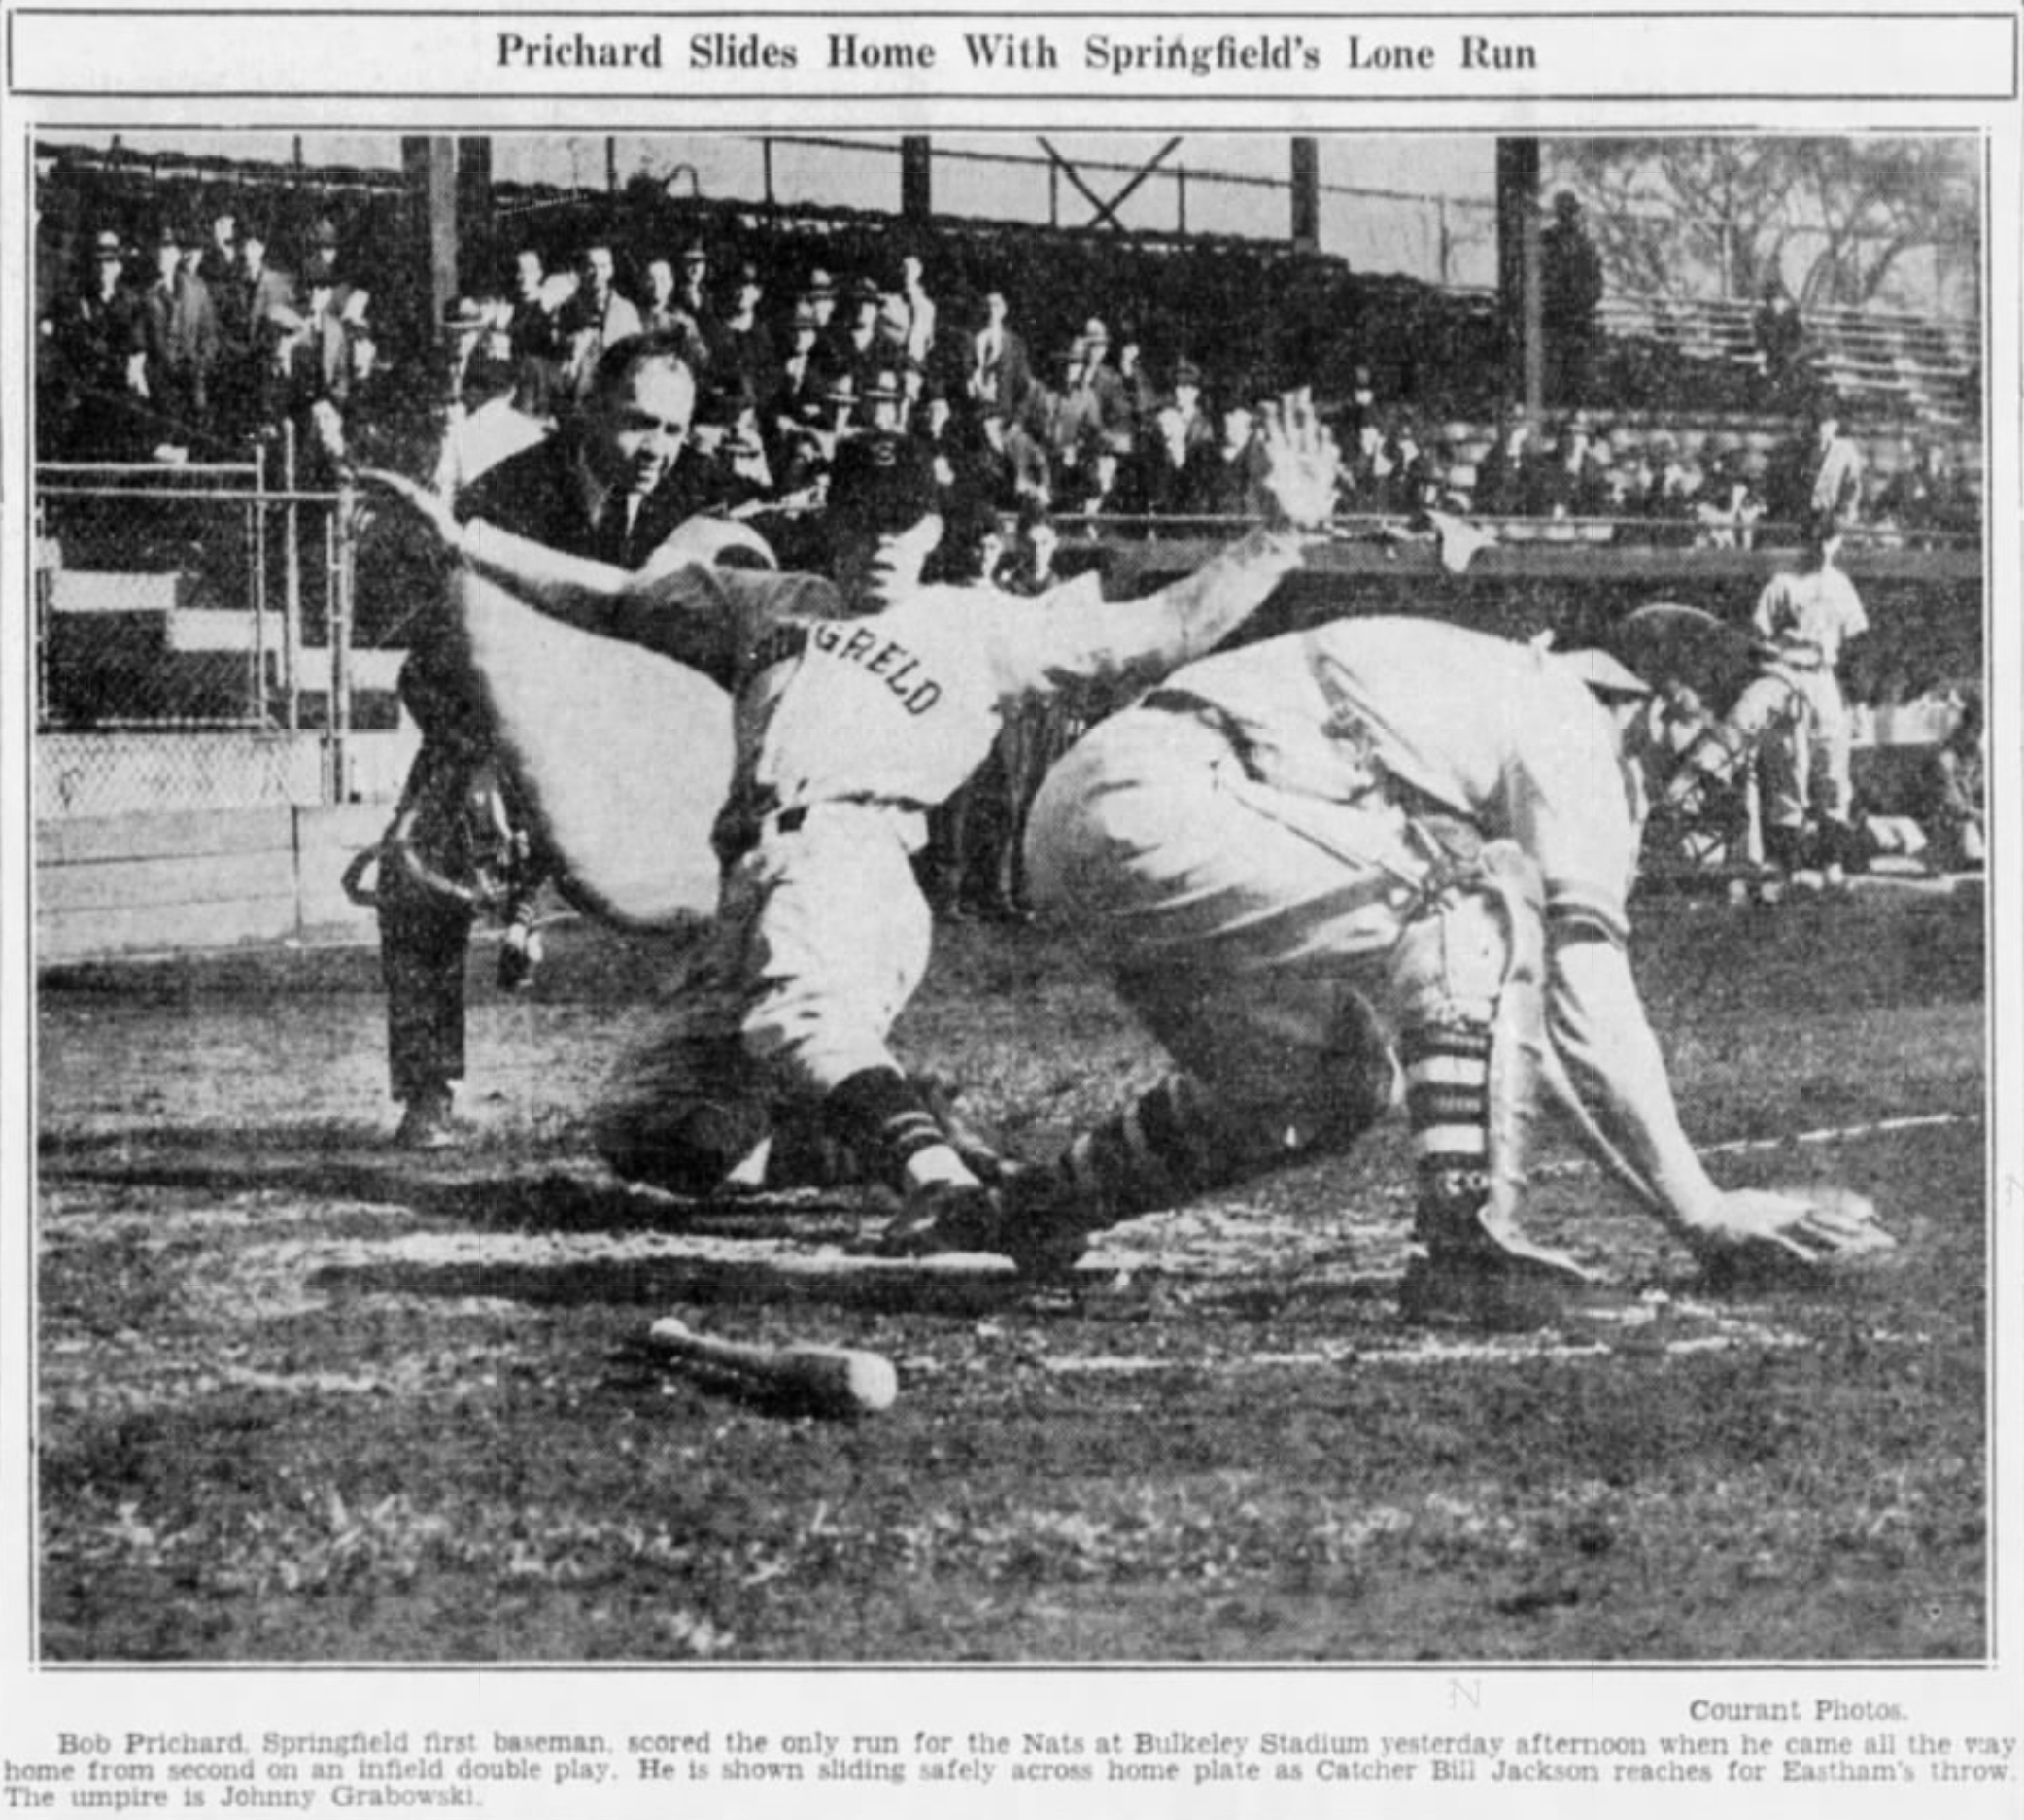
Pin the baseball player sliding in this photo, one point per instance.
(856, 709)
(1383, 855)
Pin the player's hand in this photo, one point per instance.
(1762, 1235)
(1301, 465)
(422, 502)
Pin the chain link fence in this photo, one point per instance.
(194, 641)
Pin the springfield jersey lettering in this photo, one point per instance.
(897, 709)
(864, 644)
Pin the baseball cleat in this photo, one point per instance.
(429, 1124)
(1004, 1222)
(1480, 1271)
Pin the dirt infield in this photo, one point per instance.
(305, 1399)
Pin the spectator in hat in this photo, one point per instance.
(320, 260)
(1836, 492)
(693, 291)
(1112, 409)
(1779, 333)
(819, 293)
(1101, 486)
(1728, 509)
(916, 312)
(662, 313)
(727, 435)
(535, 336)
(1170, 467)
(218, 259)
(1197, 427)
(796, 382)
(317, 387)
(1231, 472)
(184, 341)
(488, 424)
(855, 345)
(1507, 482)
(744, 344)
(1574, 483)
(1362, 407)
(258, 312)
(598, 317)
(1000, 369)
(102, 344)
(1140, 394)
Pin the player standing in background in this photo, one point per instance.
(1382, 841)
(1804, 622)
(856, 710)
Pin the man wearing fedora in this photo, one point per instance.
(99, 336)
(183, 340)
(1001, 370)
(597, 318)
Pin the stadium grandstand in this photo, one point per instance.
(225, 338)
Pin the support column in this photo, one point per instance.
(1306, 226)
(429, 169)
(477, 255)
(1518, 271)
(916, 178)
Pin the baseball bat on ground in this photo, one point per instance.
(825, 1380)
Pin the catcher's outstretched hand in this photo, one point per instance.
(1301, 465)
(1766, 1237)
(423, 503)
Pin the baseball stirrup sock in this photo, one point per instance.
(1156, 1154)
(880, 1115)
(1447, 1069)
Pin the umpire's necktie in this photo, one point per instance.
(614, 533)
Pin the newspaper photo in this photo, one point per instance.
(1109, 906)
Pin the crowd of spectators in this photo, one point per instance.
(201, 343)
(203, 346)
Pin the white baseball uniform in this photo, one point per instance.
(846, 732)
(1803, 621)
(1252, 847)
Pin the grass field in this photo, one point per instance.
(302, 1398)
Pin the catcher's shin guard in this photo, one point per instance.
(1472, 973)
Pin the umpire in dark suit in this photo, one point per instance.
(611, 487)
